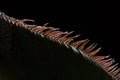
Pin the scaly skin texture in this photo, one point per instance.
(31, 52)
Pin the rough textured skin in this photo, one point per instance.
(31, 52)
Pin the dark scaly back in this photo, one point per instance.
(50, 54)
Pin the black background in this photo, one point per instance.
(98, 21)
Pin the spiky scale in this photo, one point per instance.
(78, 43)
(90, 48)
(94, 52)
(82, 47)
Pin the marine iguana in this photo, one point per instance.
(33, 52)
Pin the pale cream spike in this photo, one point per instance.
(45, 24)
(39, 28)
(98, 58)
(58, 36)
(114, 68)
(116, 72)
(75, 36)
(19, 22)
(35, 28)
(12, 20)
(107, 64)
(82, 47)
(56, 33)
(52, 28)
(77, 43)
(27, 20)
(63, 38)
(23, 20)
(117, 76)
(4, 16)
(68, 34)
(42, 29)
(30, 27)
(68, 40)
(94, 52)
(52, 33)
(110, 59)
(48, 32)
(101, 62)
(90, 48)
(111, 67)
(64, 33)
